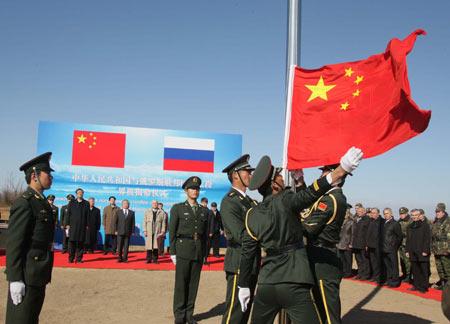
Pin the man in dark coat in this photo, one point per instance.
(418, 247)
(358, 243)
(374, 233)
(216, 228)
(63, 223)
(76, 223)
(125, 223)
(93, 226)
(391, 239)
(29, 245)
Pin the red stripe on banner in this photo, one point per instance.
(188, 165)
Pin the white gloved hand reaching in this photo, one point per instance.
(174, 259)
(351, 159)
(244, 298)
(17, 291)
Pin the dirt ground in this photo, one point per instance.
(139, 296)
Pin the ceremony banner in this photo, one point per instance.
(138, 164)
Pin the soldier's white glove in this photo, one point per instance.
(17, 290)
(351, 159)
(244, 298)
(174, 259)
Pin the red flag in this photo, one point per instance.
(100, 149)
(366, 104)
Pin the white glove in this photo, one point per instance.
(351, 159)
(17, 290)
(174, 259)
(244, 298)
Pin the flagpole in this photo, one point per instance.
(292, 59)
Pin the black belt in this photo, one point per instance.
(284, 249)
(326, 245)
(41, 246)
(194, 236)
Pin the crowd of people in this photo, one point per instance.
(80, 222)
(378, 242)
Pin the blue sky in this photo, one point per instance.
(217, 66)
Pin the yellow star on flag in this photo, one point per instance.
(359, 78)
(319, 90)
(349, 72)
(81, 139)
(345, 105)
(356, 93)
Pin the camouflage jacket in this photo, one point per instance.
(440, 236)
(404, 225)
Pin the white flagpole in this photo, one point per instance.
(292, 59)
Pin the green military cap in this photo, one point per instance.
(403, 210)
(331, 167)
(192, 182)
(51, 197)
(213, 204)
(70, 196)
(263, 172)
(39, 163)
(239, 164)
(440, 207)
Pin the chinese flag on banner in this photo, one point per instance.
(366, 104)
(99, 149)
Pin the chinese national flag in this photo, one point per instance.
(99, 149)
(366, 104)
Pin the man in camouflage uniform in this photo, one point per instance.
(405, 264)
(29, 246)
(440, 244)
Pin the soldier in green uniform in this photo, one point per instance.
(233, 208)
(322, 226)
(51, 201)
(285, 280)
(405, 264)
(63, 222)
(440, 244)
(29, 250)
(187, 229)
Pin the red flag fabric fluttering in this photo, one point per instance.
(366, 104)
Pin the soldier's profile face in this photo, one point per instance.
(193, 193)
(244, 177)
(45, 179)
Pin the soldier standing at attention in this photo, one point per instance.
(405, 264)
(187, 231)
(285, 280)
(55, 209)
(234, 206)
(440, 243)
(29, 246)
(323, 226)
(63, 223)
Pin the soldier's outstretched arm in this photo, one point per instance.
(173, 226)
(232, 221)
(19, 227)
(324, 211)
(306, 197)
(250, 250)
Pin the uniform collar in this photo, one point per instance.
(240, 191)
(36, 193)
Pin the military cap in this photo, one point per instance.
(51, 197)
(440, 207)
(331, 167)
(264, 170)
(213, 204)
(204, 199)
(70, 196)
(403, 210)
(112, 197)
(192, 182)
(39, 163)
(239, 164)
(79, 189)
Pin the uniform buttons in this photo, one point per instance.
(195, 226)
(45, 219)
(36, 258)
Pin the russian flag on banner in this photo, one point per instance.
(188, 154)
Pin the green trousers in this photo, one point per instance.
(405, 264)
(296, 299)
(443, 266)
(27, 312)
(187, 278)
(233, 311)
(326, 295)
